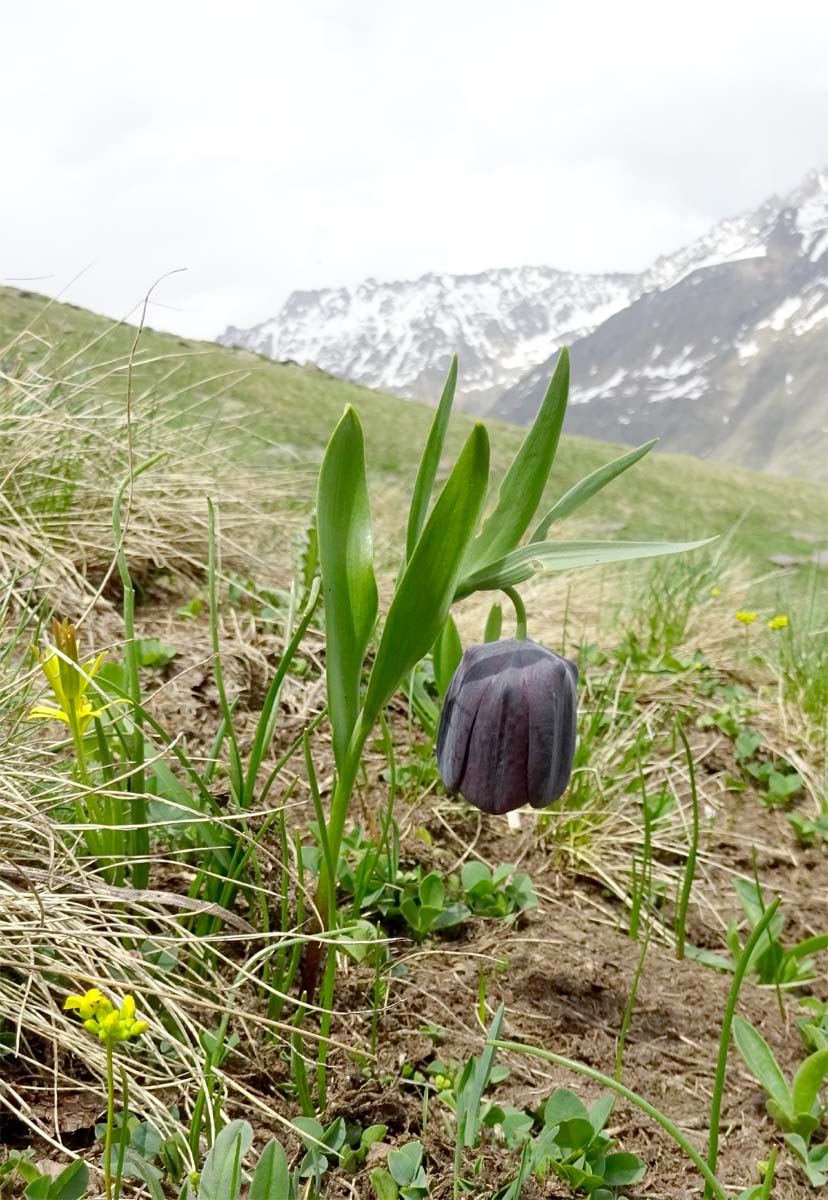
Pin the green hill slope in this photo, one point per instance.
(285, 413)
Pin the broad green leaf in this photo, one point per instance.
(523, 484)
(432, 892)
(271, 1176)
(448, 650)
(221, 1176)
(425, 591)
(71, 1183)
(383, 1184)
(575, 1134)
(427, 472)
(38, 1189)
(521, 564)
(763, 1066)
(348, 583)
(405, 1164)
(599, 1114)
(586, 488)
(563, 1105)
(808, 1080)
(621, 1169)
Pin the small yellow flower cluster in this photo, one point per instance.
(715, 591)
(101, 1018)
(780, 621)
(747, 618)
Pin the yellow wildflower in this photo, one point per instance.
(715, 591)
(780, 621)
(747, 618)
(103, 1020)
(68, 678)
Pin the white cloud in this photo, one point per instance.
(269, 146)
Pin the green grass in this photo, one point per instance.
(284, 413)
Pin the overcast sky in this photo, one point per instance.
(268, 146)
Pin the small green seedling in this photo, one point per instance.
(324, 1147)
(503, 892)
(425, 909)
(771, 962)
(797, 1109)
(809, 831)
(405, 1177)
(814, 1029)
(574, 1146)
(152, 652)
(781, 782)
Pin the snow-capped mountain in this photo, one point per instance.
(400, 337)
(726, 353)
(727, 333)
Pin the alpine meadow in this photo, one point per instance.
(396, 805)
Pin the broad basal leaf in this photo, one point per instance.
(348, 584)
(425, 591)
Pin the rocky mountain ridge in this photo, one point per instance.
(719, 348)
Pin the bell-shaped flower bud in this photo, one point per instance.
(508, 726)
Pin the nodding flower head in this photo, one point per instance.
(508, 726)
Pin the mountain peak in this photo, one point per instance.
(749, 284)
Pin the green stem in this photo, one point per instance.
(690, 868)
(84, 809)
(665, 1123)
(520, 614)
(77, 738)
(110, 1121)
(724, 1041)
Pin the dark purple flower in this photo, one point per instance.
(508, 726)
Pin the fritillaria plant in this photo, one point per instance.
(452, 550)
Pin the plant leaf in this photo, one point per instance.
(427, 472)
(623, 1168)
(383, 1184)
(521, 564)
(470, 1096)
(763, 1066)
(271, 1175)
(522, 487)
(587, 487)
(807, 1082)
(221, 1176)
(494, 624)
(425, 591)
(349, 586)
(446, 655)
(71, 1183)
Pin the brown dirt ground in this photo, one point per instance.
(567, 981)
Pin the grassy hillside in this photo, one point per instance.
(285, 413)
(170, 811)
